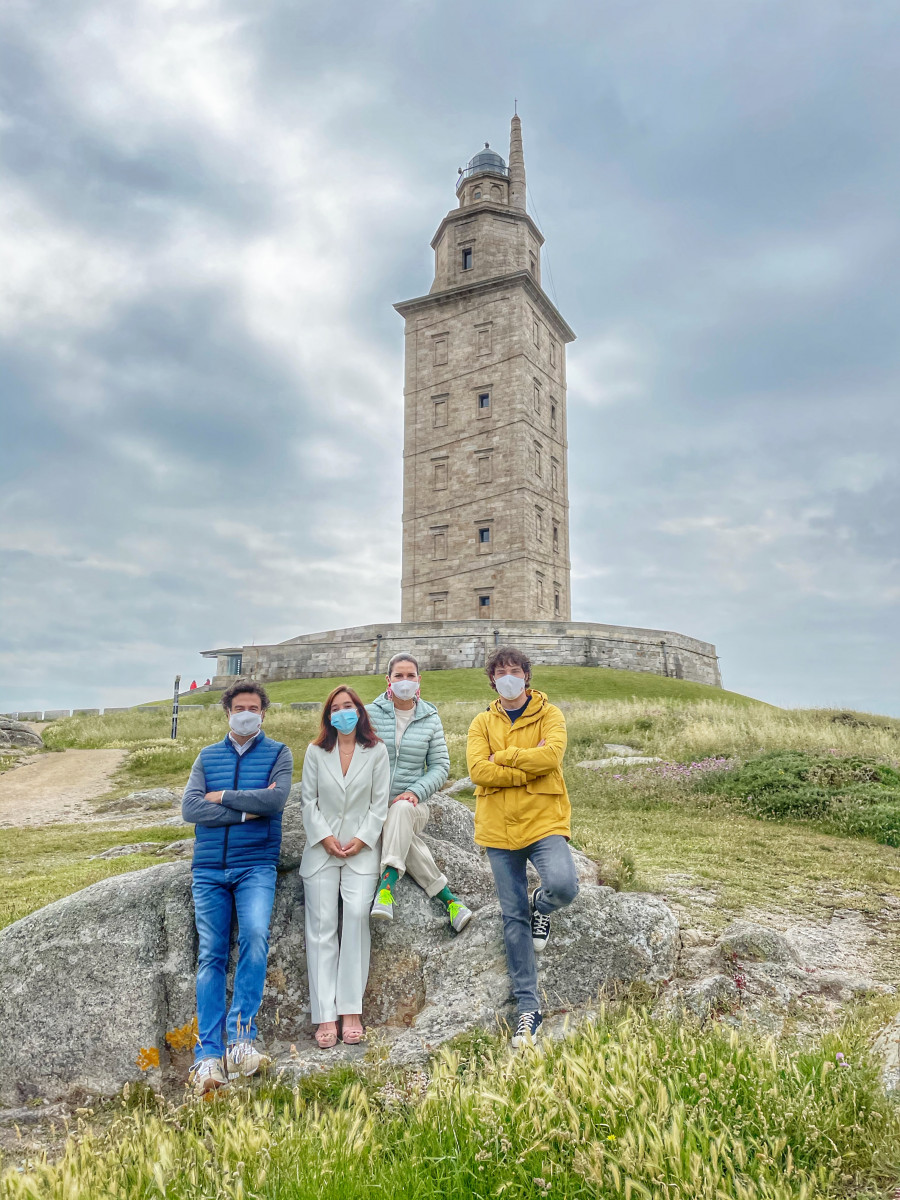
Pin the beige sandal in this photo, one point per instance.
(327, 1035)
(354, 1035)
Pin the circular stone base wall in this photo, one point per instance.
(442, 645)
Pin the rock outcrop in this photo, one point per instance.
(98, 989)
(16, 735)
(148, 799)
(754, 973)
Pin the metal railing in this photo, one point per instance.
(501, 172)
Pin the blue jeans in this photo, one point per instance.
(559, 886)
(249, 892)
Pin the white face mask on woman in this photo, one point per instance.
(404, 689)
(510, 687)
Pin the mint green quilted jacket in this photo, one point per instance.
(423, 762)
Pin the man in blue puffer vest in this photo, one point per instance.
(235, 797)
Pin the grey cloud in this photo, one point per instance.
(211, 448)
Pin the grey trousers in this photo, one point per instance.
(403, 849)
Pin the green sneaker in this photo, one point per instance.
(459, 915)
(383, 908)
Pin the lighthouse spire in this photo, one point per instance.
(516, 165)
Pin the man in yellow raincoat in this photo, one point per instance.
(515, 752)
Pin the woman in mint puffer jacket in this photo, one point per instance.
(412, 732)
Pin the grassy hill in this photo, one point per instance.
(562, 683)
(789, 820)
(785, 816)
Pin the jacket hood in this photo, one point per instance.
(536, 703)
(423, 708)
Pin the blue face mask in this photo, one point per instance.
(344, 720)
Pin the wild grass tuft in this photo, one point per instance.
(624, 1107)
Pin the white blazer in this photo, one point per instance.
(348, 806)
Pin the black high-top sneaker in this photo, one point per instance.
(527, 1029)
(540, 925)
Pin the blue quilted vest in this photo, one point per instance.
(253, 843)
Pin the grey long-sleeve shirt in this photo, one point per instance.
(197, 810)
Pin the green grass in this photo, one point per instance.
(642, 834)
(41, 864)
(562, 683)
(719, 864)
(625, 1107)
(847, 795)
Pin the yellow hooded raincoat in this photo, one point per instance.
(521, 796)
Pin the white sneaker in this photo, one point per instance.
(459, 915)
(208, 1075)
(383, 907)
(243, 1058)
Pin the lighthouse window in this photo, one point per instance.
(477, 194)
(467, 258)
(484, 536)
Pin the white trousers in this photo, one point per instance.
(338, 969)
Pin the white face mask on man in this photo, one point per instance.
(510, 687)
(244, 724)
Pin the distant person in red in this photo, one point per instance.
(206, 684)
(193, 685)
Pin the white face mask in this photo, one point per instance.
(510, 687)
(245, 723)
(404, 689)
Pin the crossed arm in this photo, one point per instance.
(513, 766)
(200, 807)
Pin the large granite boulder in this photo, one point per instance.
(14, 734)
(98, 989)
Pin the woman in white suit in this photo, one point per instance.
(346, 781)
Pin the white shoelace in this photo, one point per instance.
(240, 1051)
(526, 1024)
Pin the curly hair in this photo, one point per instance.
(507, 656)
(245, 687)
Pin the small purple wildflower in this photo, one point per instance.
(679, 771)
(841, 1061)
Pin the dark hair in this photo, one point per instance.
(399, 658)
(245, 687)
(327, 736)
(507, 656)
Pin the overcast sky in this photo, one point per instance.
(207, 210)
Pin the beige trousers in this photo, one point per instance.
(338, 969)
(403, 849)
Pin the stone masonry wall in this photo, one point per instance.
(440, 645)
(501, 467)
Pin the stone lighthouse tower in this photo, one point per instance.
(485, 478)
(485, 495)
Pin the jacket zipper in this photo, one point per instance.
(237, 771)
(397, 745)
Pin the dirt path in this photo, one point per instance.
(54, 788)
